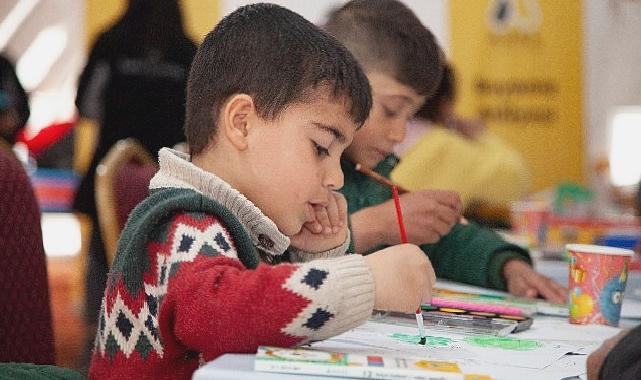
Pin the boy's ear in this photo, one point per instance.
(236, 115)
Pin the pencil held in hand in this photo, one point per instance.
(401, 227)
(379, 178)
(399, 215)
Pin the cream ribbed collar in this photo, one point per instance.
(177, 171)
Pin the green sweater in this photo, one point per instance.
(468, 253)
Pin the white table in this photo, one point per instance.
(240, 366)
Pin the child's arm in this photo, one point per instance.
(479, 256)
(219, 306)
(215, 305)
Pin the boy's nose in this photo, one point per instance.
(334, 179)
(396, 132)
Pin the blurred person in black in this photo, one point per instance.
(133, 85)
(14, 103)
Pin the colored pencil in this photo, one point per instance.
(401, 227)
(379, 178)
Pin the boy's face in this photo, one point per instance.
(294, 161)
(394, 104)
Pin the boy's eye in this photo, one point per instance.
(320, 150)
(389, 112)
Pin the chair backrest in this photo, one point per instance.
(122, 181)
(26, 332)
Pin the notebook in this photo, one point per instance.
(305, 361)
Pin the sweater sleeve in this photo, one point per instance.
(215, 305)
(298, 256)
(474, 255)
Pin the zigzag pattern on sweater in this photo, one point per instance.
(122, 327)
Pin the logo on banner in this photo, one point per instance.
(520, 16)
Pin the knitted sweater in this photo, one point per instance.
(468, 253)
(188, 285)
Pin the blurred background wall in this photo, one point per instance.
(49, 40)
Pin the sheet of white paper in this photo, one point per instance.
(396, 340)
(560, 329)
(567, 366)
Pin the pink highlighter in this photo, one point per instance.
(475, 306)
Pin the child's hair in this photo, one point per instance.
(278, 58)
(385, 35)
(446, 92)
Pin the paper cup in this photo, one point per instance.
(598, 275)
(528, 218)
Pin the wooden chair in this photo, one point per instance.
(122, 181)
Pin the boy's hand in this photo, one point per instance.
(403, 278)
(523, 281)
(428, 215)
(328, 231)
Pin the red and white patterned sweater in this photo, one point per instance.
(187, 285)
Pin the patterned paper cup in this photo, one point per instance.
(597, 281)
(528, 219)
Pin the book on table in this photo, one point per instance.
(304, 361)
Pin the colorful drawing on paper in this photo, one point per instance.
(503, 343)
(433, 341)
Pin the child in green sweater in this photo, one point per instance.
(404, 64)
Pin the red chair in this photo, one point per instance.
(122, 181)
(26, 332)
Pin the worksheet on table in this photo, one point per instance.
(402, 341)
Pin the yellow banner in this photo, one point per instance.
(519, 66)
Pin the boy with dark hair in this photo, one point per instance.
(403, 63)
(272, 102)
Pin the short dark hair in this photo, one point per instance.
(278, 58)
(386, 35)
(446, 92)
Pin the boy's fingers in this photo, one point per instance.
(447, 215)
(432, 275)
(549, 290)
(323, 218)
(448, 198)
(531, 293)
(342, 208)
(560, 291)
(313, 227)
(441, 227)
(332, 212)
(518, 286)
